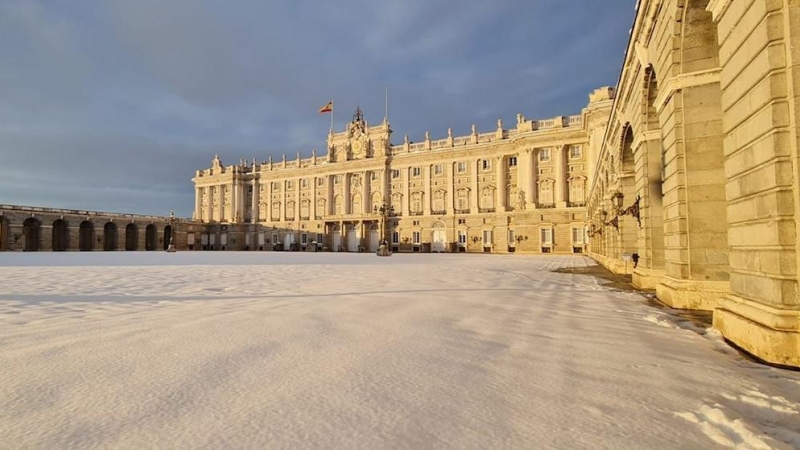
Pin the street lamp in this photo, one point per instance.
(385, 212)
(172, 222)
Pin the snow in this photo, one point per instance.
(294, 350)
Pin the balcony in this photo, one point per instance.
(462, 211)
(576, 204)
(486, 210)
(439, 213)
(545, 205)
(415, 213)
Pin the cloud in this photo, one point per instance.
(114, 105)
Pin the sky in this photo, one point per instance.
(113, 105)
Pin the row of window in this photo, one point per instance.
(545, 237)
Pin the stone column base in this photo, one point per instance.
(770, 334)
(647, 278)
(691, 294)
(617, 266)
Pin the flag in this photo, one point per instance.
(327, 108)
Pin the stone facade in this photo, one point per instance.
(26, 228)
(506, 190)
(698, 171)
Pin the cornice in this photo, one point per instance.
(686, 80)
(717, 8)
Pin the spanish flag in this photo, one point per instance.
(327, 108)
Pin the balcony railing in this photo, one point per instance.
(462, 211)
(439, 212)
(486, 210)
(415, 213)
(545, 205)
(576, 204)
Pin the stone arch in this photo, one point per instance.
(109, 236)
(31, 230)
(60, 236)
(131, 237)
(150, 237)
(3, 233)
(699, 49)
(627, 162)
(86, 236)
(167, 236)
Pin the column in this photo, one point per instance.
(449, 197)
(406, 181)
(269, 201)
(560, 198)
(329, 200)
(207, 192)
(221, 201)
(297, 201)
(426, 185)
(500, 176)
(254, 207)
(284, 199)
(312, 209)
(366, 203)
(346, 196)
(198, 192)
(234, 200)
(473, 192)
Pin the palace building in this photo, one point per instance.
(507, 190)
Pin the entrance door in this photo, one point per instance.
(374, 240)
(439, 241)
(352, 239)
(337, 240)
(288, 240)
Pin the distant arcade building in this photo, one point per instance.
(506, 190)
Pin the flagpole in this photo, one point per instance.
(386, 113)
(331, 117)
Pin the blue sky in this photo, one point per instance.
(113, 105)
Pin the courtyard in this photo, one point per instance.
(323, 350)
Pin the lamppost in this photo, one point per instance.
(385, 212)
(172, 222)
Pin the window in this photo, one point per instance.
(289, 185)
(576, 191)
(438, 169)
(462, 201)
(416, 203)
(319, 238)
(303, 183)
(438, 201)
(486, 164)
(512, 161)
(511, 237)
(487, 238)
(544, 154)
(575, 151)
(462, 166)
(304, 239)
(276, 186)
(320, 181)
(546, 192)
(274, 238)
(462, 221)
(373, 176)
(337, 179)
(395, 173)
(546, 236)
(577, 236)
(395, 237)
(462, 237)
(416, 171)
(415, 237)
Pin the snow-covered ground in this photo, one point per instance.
(290, 350)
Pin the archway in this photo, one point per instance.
(60, 236)
(150, 237)
(109, 236)
(438, 238)
(131, 237)
(31, 230)
(86, 236)
(3, 233)
(167, 236)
